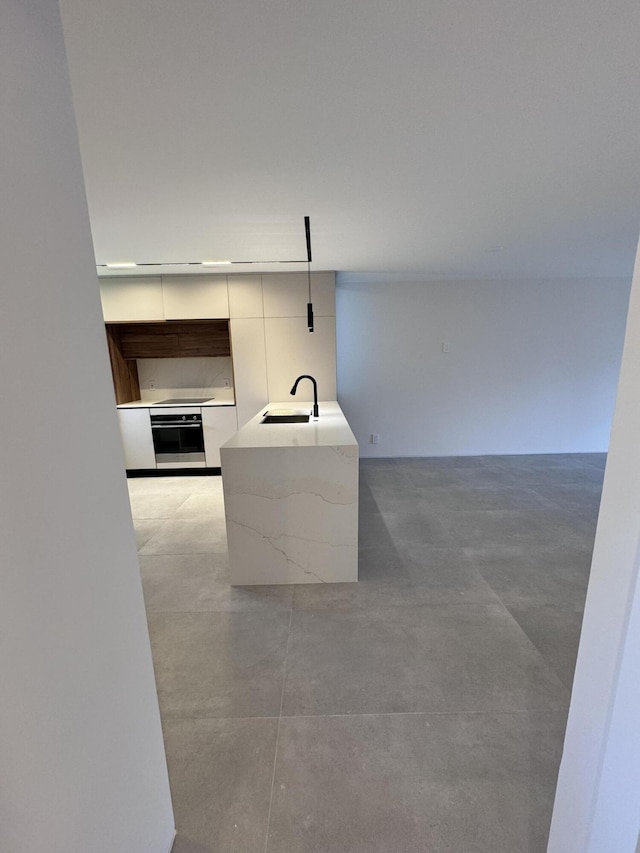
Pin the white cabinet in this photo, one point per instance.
(287, 294)
(219, 423)
(195, 297)
(131, 299)
(245, 296)
(137, 442)
(293, 350)
(249, 366)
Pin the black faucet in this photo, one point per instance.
(315, 391)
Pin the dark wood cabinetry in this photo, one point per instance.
(168, 339)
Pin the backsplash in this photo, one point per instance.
(176, 377)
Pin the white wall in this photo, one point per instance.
(596, 807)
(82, 759)
(181, 377)
(532, 366)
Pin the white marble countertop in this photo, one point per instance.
(222, 397)
(329, 430)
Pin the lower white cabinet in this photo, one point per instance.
(135, 430)
(219, 423)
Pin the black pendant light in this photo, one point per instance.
(307, 228)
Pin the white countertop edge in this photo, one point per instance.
(330, 429)
(140, 404)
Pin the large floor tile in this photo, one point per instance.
(545, 461)
(418, 524)
(555, 632)
(426, 477)
(372, 530)
(460, 498)
(378, 558)
(193, 582)
(220, 773)
(580, 500)
(529, 528)
(443, 463)
(533, 472)
(597, 459)
(188, 536)
(451, 784)
(362, 595)
(366, 500)
(381, 562)
(219, 664)
(378, 462)
(465, 657)
(185, 485)
(209, 504)
(155, 504)
(145, 528)
(447, 575)
(393, 497)
(385, 477)
(432, 576)
(535, 577)
(445, 544)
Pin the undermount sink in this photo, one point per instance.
(285, 419)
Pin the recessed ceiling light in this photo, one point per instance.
(214, 263)
(123, 265)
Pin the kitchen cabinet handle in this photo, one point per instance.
(180, 424)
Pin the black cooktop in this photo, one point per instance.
(187, 401)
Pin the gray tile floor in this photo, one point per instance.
(422, 709)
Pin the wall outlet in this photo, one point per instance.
(375, 438)
(226, 383)
(445, 347)
(152, 385)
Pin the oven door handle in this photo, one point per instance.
(180, 424)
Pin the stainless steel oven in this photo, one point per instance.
(178, 440)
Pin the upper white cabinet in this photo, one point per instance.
(245, 296)
(195, 297)
(292, 350)
(132, 299)
(287, 294)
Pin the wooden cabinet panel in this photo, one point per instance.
(131, 298)
(219, 423)
(175, 339)
(249, 366)
(245, 296)
(137, 441)
(194, 297)
(124, 372)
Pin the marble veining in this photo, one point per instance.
(291, 501)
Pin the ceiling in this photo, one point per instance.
(424, 138)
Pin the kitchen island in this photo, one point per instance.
(291, 499)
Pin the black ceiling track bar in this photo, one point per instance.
(200, 264)
(307, 228)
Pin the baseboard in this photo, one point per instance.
(174, 472)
